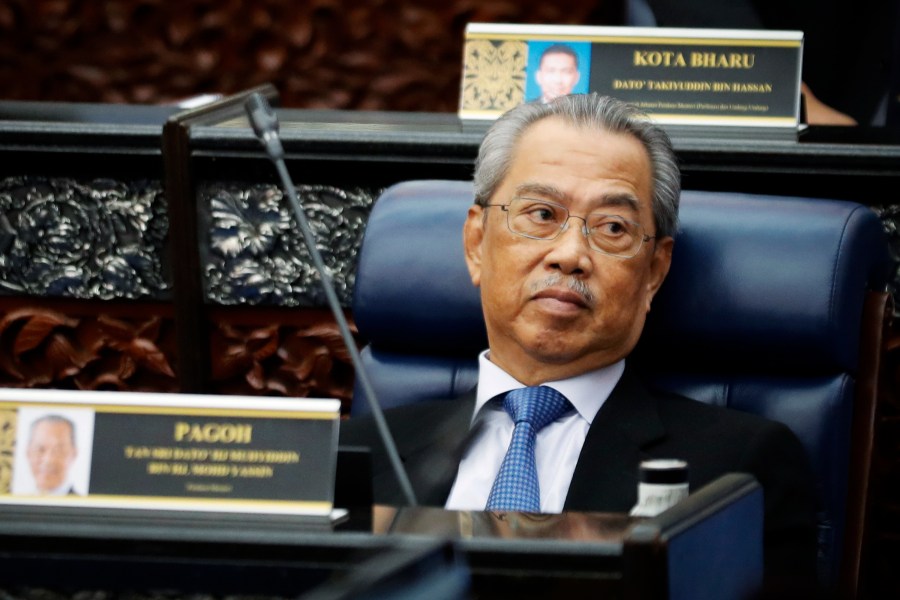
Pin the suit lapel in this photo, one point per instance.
(432, 458)
(606, 475)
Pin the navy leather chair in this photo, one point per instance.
(773, 306)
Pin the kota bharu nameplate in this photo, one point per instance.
(168, 451)
(719, 77)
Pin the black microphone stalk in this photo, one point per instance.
(265, 124)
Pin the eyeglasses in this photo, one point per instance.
(543, 220)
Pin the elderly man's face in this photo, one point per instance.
(50, 454)
(557, 75)
(539, 329)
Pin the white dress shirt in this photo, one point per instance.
(558, 444)
(63, 490)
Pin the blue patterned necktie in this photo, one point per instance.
(516, 487)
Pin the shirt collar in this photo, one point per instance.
(62, 490)
(587, 392)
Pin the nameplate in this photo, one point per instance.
(168, 451)
(707, 77)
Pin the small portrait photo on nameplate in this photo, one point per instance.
(689, 77)
(180, 452)
(557, 68)
(53, 451)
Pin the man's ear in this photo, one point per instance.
(659, 267)
(473, 236)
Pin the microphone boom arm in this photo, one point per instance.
(265, 125)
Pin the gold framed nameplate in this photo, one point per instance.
(168, 451)
(717, 77)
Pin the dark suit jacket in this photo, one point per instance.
(634, 424)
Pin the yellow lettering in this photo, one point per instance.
(209, 487)
(213, 433)
(658, 58)
(162, 453)
(261, 471)
(181, 430)
(628, 84)
(158, 468)
(731, 60)
(210, 470)
(679, 86)
(752, 88)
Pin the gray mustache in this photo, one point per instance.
(573, 284)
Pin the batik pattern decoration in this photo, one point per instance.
(494, 75)
(7, 448)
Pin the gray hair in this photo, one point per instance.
(53, 419)
(590, 111)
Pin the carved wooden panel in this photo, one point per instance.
(279, 353)
(252, 251)
(92, 239)
(890, 219)
(385, 55)
(94, 349)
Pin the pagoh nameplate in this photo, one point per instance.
(168, 451)
(716, 77)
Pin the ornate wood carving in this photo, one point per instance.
(42, 347)
(252, 250)
(280, 354)
(99, 239)
(890, 220)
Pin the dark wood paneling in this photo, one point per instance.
(386, 54)
(272, 352)
(66, 344)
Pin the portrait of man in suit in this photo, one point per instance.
(49, 457)
(51, 452)
(557, 69)
(569, 239)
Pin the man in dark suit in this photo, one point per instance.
(569, 239)
(51, 452)
(557, 73)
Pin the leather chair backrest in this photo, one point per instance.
(761, 312)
